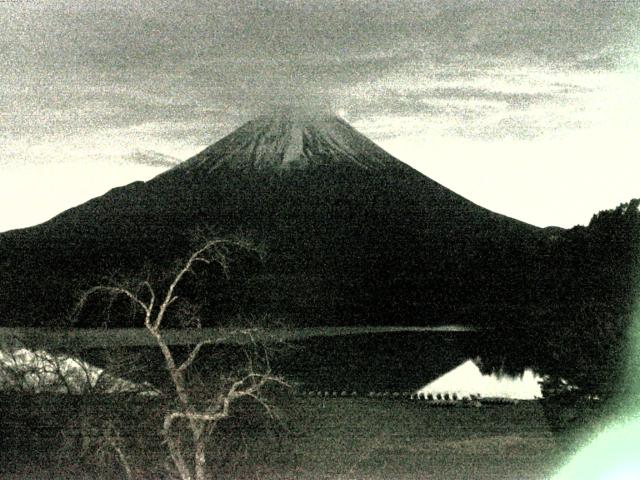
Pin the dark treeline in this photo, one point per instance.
(588, 287)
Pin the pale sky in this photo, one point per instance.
(528, 108)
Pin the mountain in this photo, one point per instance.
(288, 140)
(353, 236)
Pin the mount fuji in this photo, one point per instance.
(353, 236)
(292, 139)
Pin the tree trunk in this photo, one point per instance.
(200, 452)
(175, 450)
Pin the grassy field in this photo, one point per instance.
(332, 438)
(386, 439)
(316, 438)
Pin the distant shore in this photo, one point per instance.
(34, 337)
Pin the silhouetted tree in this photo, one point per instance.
(197, 411)
(597, 269)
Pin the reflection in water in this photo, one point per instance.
(467, 379)
(26, 371)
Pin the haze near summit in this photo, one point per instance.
(524, 107)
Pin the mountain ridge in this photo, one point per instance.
(353, 235)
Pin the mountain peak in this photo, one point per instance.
(296, 116)
(289, 139)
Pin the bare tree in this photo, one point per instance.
(194, 413)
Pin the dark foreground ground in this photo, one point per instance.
(315, 438)
(387, 439)
(64, 437)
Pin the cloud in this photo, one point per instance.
(97, 64)
(151, 158)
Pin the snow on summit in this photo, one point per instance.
(291, 139)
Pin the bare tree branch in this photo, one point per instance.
(147, 308)
(113, 440)
(197, 256)
(198, 419)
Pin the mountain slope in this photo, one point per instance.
(291, 140)
(353, 235)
